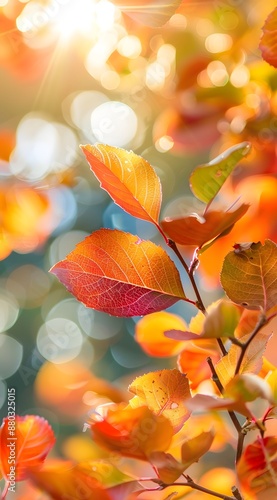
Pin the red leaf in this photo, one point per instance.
(197, 230)
(257, 468)
(268, 44)
(128, 178)
(120, 274)
(133, 432)
(29, 445)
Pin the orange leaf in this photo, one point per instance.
(165, 392)
(257, 468)
(199, 229)
(133, 432)
(193, 362)
(118, 273)
(128, 178)
(192, 449)
(149, 333)
(65, 480)
(63, 386)
(28, 446)
(269, 39)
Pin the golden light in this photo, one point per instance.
(240, 76)
(217, 73)
(218, 42)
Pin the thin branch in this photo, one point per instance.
(220, 387)
(240, 444)
(195, 486)
(236, 493)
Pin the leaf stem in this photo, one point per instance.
(199, 302)
(262, 321)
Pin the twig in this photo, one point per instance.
(195, 486)
(220, 387)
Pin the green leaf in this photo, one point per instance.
(207, 179)
(249, 276)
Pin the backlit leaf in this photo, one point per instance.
(272, 381)
(203, 402)
(149, 333)
(169, 469)
(133, 432)
(248, 387)
(128, 178)
(193, 361)
(252, 361)
(198, 229)
(257, 468)
(165, 392)
(249, 277)
(268, 41)
(206, 180)
(120, 274)
(220, 321)
(33, 438)
(153, 13)
(66, 480)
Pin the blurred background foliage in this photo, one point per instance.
(76, 72)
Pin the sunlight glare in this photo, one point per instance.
(76, 19)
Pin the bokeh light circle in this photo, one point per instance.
(59, 340)
(114, 123)
(11, 354)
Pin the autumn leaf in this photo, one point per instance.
(252, 360)
(133, 432)
(128, 178)
(165, 392)
(268, 41)
(207, 179)
(193, 361)
(150, 13)
(240, 391)
(120, 274)
(32, 440)
(248, 387)
(204, 402)
(66, 480)
(149, 333)
(198, 229)
(272, 382)
(220, 321)
(249, 276)
(257, 468)
(169, 469)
